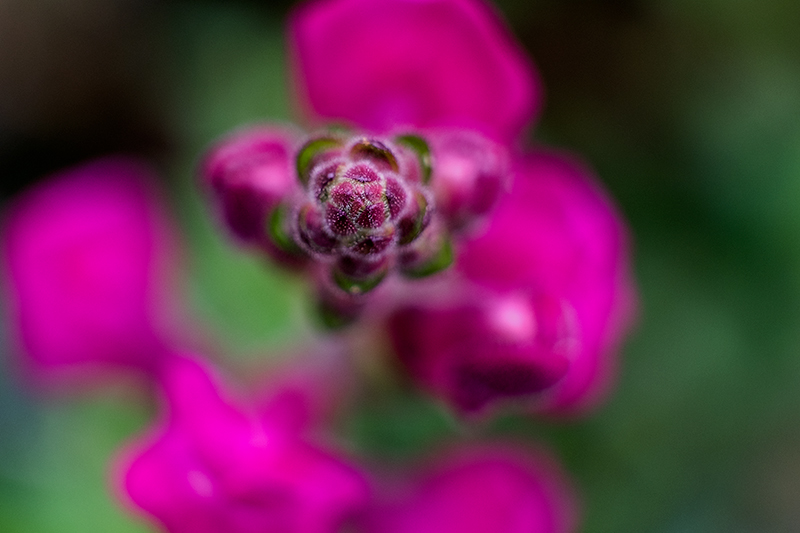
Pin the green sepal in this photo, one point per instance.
(375, 150)
(309, 151)
(276, 230)
(356, 286)
(442, 259)
(408, 234)
(420, 147)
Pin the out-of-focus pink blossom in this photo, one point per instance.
(481, 490)
(399, 63)
(87, 260)
(557, 233)
(476, 347)
(215, 466)
(543, 299)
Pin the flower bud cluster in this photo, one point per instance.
(365, 207)
(358, 207)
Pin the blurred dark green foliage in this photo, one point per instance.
(690, 113)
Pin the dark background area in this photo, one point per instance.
(689, 110)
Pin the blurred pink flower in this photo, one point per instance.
(399, 63)
(486, 489)
(475, 348)
(88, 257)
(214, 466)
(543, 300)
(557, 233)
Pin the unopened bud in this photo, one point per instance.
(364, 205)
(471, 172)
(250, 174)
(358, 206)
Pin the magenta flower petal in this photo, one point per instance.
(476, 347)
(482, 490)
(215, 466)
(87, 258)
(557, 233)
(397, 63)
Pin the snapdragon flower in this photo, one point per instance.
(555, 237)
(494, 488)
(552, 237)
(399, 63)
(215, 465)
(89, 264)
(559, 234)
(438, 92)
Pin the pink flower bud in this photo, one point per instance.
(215, 466)
(357, 209)
(399, 63)
(496, 489)
(470, 175)
(557, 233)
(88, 257)
(251, 173)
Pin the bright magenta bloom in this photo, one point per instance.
(475, 347)
(215, 466)
(88, 255)
(482, 490)
(551, 299)
(397, 63)
(556, 233)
